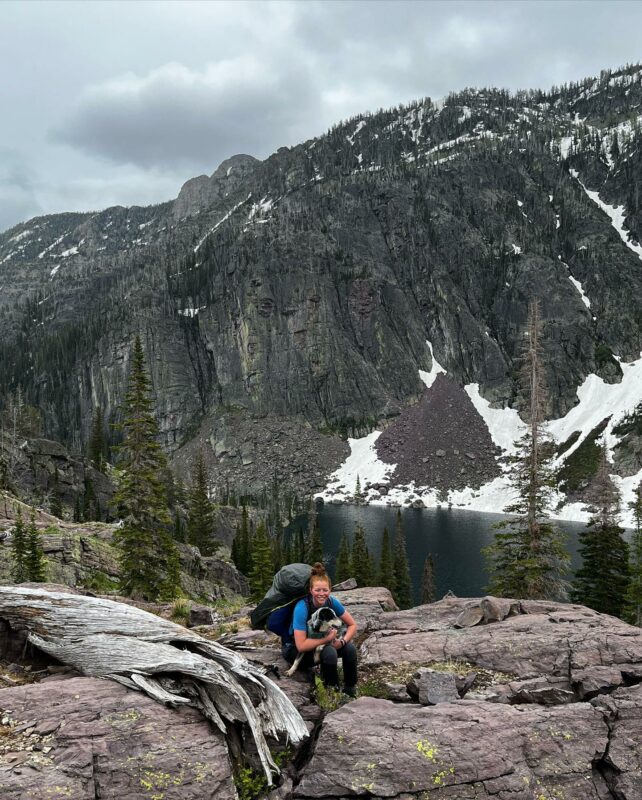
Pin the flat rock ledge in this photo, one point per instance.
(554, 713)
(472, 750)
(548, 649)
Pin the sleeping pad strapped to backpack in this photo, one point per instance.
(274, 612)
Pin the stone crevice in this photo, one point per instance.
(603, 765)
(95, 778)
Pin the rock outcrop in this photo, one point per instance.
(84, 555)
(551, 708)
(39, 467)
(83, 738)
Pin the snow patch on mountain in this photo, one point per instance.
(429, 377)
(52, 245)
(615, 213)
(565, 146)
(579, 288)
(22, 235)
(360, 125)
(597, 400)
(190, 312)
(504, 424)
(221, 221)
(262, 207)
(363, 463)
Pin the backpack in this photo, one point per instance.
(275, 611)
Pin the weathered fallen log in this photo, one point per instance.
(102, 638)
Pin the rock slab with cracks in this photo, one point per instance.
(561, 719)
(84, 738)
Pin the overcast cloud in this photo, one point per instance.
(119, 103)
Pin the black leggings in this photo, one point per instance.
(329, 657)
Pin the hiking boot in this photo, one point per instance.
(351, 691)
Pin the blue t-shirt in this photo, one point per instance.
(300, 616)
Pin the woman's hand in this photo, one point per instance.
(332, 635)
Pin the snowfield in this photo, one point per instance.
(597, 400)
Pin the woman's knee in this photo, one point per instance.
(329, 655)
(349, 652)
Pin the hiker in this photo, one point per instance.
(333, 646)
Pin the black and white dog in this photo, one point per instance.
(318, 626)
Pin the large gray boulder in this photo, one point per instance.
(84, 738)
(587, 651)
(474, 750)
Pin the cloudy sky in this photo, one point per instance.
(109, 103)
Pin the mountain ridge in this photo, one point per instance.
(309, 285)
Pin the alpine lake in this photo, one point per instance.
(454, 537)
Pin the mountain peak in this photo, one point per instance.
(198, 193)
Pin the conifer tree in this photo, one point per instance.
(200, 514)
(250, 546)
(97, 449)
(428, 581)
(634, 590)
(343, 569)
(244, 543)
(4, 474)
(55, 503)
(149, 566)
(179, 527)
(234, 550)
(262, 571)
(277, 552)
(602, 580)
(89, 506)
(287, 552)
(528, 557)
(314, 551)
(386, 565)
(362, 570)
(358, 493)
(35, 557)
(403, 584)
(19, 550)
(300, 547)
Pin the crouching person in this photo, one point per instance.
(332, 645)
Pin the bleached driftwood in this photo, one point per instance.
(102, 638)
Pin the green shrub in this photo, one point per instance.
(250, 783)
(180, 610)
(52, 530)
(327, 698)
(372, 688)
(101, 583)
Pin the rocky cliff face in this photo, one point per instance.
(307, 286)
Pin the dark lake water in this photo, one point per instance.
(453, 537)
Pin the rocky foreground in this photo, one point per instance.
(474, 699)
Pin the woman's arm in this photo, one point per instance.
(304, 644)
(351, 630)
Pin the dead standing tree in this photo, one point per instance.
(102, 638)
